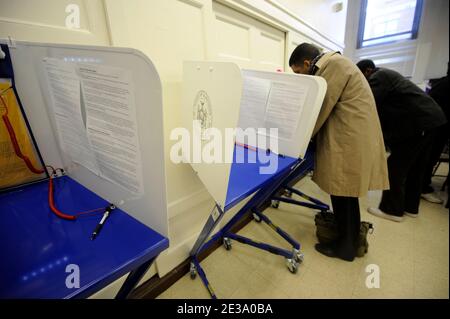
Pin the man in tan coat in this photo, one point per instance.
(350, 156)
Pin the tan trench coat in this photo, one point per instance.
(350, 154)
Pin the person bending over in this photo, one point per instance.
(350, 156)
(409, 118)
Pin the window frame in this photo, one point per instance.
(362, 21)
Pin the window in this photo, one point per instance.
(384, 21)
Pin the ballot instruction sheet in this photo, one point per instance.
(64, 86)
(272, 104)
(108, 143)
(254, 99)
(111, 123)
(284, 108)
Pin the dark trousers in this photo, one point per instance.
(406, 165)
(440, 139)
(348, 219)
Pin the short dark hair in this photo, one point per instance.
(363, 65)
(304, 51)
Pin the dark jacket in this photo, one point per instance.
(439, 92)
(404, 109)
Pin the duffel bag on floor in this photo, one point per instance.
(327, 231)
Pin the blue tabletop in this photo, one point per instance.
(248, 175)
(36, 246)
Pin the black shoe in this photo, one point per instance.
(331, 251)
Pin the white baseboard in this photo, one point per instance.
(187, 203)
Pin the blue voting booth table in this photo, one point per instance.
(37, 247)
(102, 213)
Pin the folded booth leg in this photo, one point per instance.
(285, 197)
(293, 258)
(295, 244)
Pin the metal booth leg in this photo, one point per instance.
(293, 257)
(213, 220)
(133, 279)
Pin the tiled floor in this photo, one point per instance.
(413, 258)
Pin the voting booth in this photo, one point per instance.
(233, 98)
(281, 109)
(94, 114)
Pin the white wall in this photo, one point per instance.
(321, 15)
(44, 21)
(421, 59)
(432, 55)
(247, 41)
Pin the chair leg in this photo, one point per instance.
(436, 167)
(444, 185)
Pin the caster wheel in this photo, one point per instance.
(193, 272)
(256, 218)
(227, 243)
(299, 257)
(288, 194)
(275, 204)
(292, 265)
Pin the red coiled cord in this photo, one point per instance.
(55, 210)
(51, 203)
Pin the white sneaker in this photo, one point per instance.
(379, 213)
(432, 198)
(411, 215)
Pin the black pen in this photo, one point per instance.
(104, 218)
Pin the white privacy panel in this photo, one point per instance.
(149, 207)
(214, 89)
